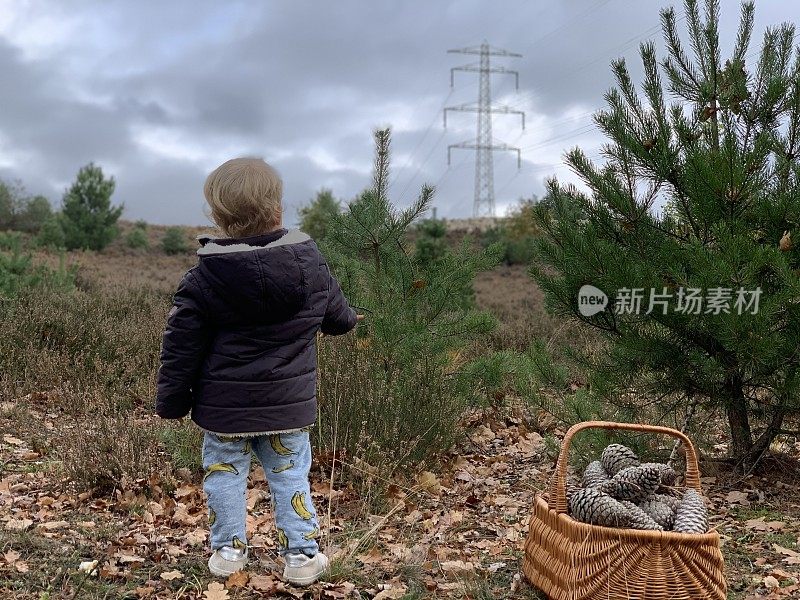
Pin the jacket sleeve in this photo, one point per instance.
(339, 317)
(185, 343)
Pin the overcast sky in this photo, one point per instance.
(159, 93)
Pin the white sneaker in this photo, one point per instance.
(302, 570)
(226, 561)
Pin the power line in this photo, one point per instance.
(423, 163)
(449, 170)
(579, 17)
(624, 46)
(422, 139)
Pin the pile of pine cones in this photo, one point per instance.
(620, 491)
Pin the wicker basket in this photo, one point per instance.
(570, 560)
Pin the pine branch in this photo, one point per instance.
(685, 79)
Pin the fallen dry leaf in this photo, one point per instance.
(782, 575)
(21, 566)
(428, 482)
(237, 579)
(792, 557)
(53, 525)
(18, 524)
(457, 566)
(262, 583)
(392, 593)
(760, 524)
(215, 591)
(737, 497)
(171, 575)
(195, 537)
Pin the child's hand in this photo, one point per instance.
(358, 318)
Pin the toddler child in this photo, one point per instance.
(239, 353)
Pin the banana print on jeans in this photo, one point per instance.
(286, 459)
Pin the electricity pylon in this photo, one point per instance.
(484, 144)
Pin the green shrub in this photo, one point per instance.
(520, 251)
(19, 273)
(174, 241)
(431, 245)
(137, 239)
(10, 240)
(517, 233)
(51, 235)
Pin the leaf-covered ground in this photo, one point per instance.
(456, 533)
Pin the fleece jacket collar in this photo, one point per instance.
(211, 246)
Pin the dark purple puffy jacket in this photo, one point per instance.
(239, 348)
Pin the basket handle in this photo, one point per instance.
(558, 495)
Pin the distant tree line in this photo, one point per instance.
(87, 219)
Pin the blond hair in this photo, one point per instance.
(244, 195)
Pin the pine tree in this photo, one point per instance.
(699, 190)
(404, 383)
(406, 296)
(87, 217)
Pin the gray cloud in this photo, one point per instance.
(159, 93)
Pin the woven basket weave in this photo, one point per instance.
(570, 560)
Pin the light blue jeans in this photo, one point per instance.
(286, 459)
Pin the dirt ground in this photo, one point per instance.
(455, 533)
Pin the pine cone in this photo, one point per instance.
(668, 474)
(670, 500)
(639, 519)
(632, 483)
(617, 457)
(786, 242)
(670, 491)
(692, 514)
(594, 474)
(592, 506)
(571, 485)
(660, 513)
